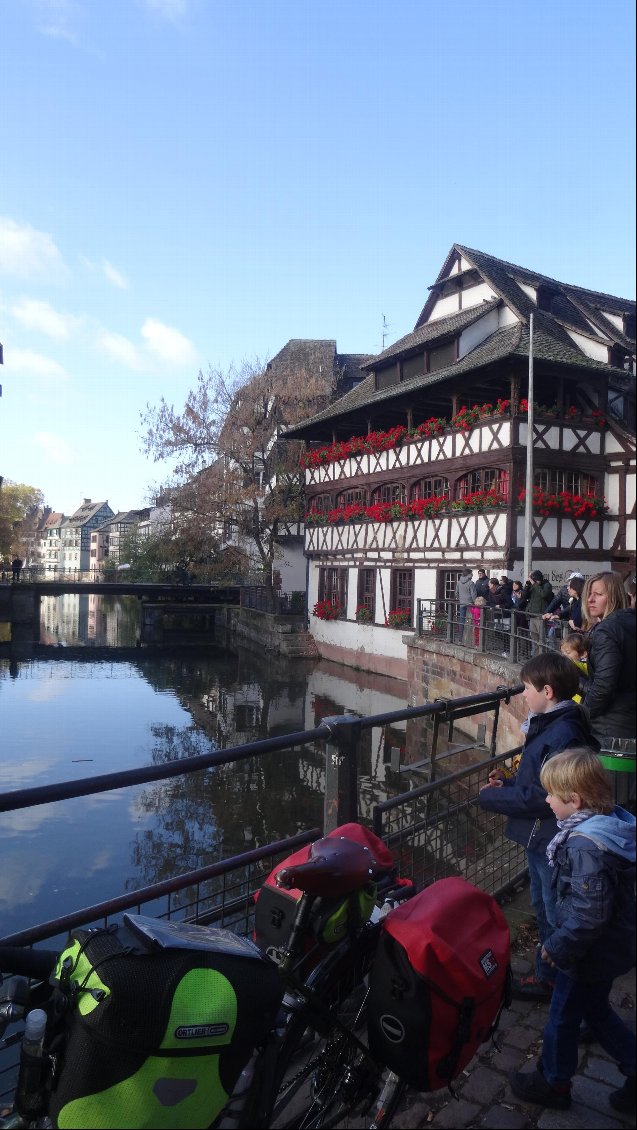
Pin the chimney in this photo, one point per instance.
(87, 502)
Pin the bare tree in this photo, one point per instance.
(235, 478)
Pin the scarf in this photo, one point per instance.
(565, 828)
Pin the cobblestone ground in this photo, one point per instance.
(484, 1098)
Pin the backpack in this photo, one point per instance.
(330, 919)
(155, 1021)
(438, 983)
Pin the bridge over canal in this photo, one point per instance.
(20, 603)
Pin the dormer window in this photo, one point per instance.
(546, 296)
(620, 358)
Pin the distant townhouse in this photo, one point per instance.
(420, 469)
(50, 540)
(106, 540)
(75, 539)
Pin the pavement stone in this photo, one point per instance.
(485, 1099)
(503, 1117)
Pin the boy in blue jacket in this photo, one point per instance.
(592, 857)
(554, 723)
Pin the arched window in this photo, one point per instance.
(436, 486)
(553, 481)
(321, 503)
(357, 496)
(492, 478)
(390, 492)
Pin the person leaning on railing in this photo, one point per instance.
(538, 595)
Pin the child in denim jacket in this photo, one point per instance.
(592, 857)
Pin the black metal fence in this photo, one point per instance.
(264, 599)
(435, 830)
(507, 632)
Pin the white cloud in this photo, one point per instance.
(171, 10)
(28, 253)
(41, 316)
(120, 349)
(54, 447)
(114, 276)
(106, 268)
(56, 18)
(168, 344)
(35, 364)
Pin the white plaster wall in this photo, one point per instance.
(465, 265)
(528, 289)
(373, 639)
(616, 319)
(352, 593)
(444, 307)
(589, 347)
(474, 295)
(476, 333)
(549, 533)
(611, 492)
(312, 587)
(631, 485)
(424, 585)
(291, 566)
(506, 317)
(383, 586)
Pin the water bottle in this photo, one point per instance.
(29, 1097)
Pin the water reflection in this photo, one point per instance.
(94, 699)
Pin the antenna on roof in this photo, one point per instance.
(385, 329)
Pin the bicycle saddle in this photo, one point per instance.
(336, 866)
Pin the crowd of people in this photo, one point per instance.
(580, 844)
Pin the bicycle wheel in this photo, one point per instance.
(324, 1075)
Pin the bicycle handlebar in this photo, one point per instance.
(38, 964)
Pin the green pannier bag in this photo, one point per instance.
(158, 1020)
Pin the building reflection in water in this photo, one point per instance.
(93, 714)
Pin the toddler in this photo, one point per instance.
(575, 648)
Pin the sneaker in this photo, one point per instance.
(530, 989)
(623, 1100)
(532, 1087)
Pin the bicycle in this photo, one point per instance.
(314, 1068)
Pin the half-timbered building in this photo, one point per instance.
(420, 469)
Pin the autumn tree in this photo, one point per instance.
(20, 512)
(236, 480)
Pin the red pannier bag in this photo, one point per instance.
(440, 978)
(331, 918)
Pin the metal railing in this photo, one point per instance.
(435, 830)
(512, 634)
(341, 736)
(264, 599)
(439, 830)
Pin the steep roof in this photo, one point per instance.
(575, 306)
(85, 512)
(572, 308)
(432, 331)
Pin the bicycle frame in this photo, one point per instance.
(314, 991)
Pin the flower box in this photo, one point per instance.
(326, 610)
(363, 614)
(397, 618)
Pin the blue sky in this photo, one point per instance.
(195, 182)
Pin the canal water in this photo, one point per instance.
(94, 700)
